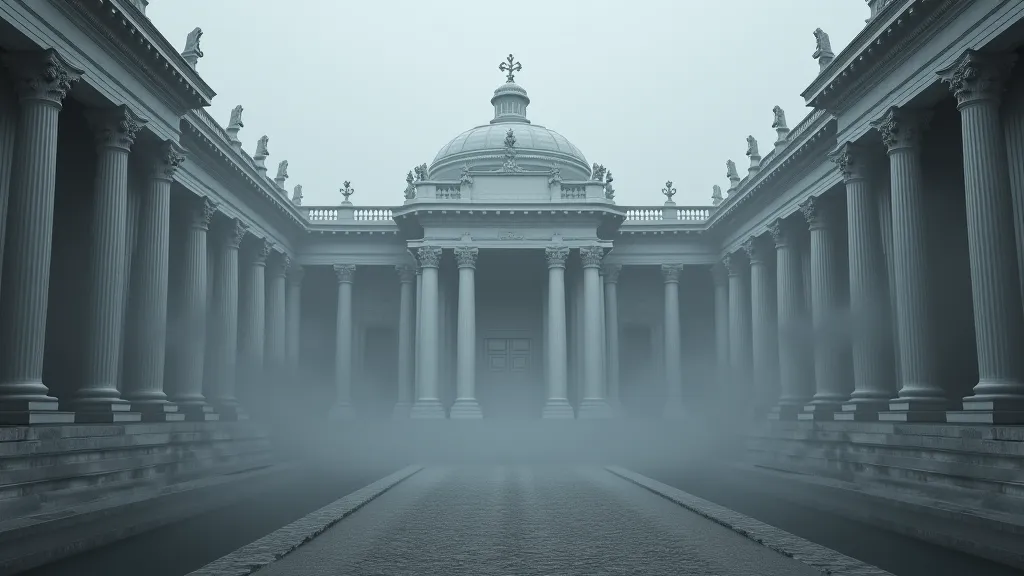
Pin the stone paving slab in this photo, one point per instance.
(531, 520)
(251, 557)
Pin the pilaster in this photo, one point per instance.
(342, 409)
(557, 405)
(673, 342)
(407, 278)
(428, 400)
(42, 79)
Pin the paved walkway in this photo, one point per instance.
(525, 521)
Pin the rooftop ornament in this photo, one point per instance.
(510, 67)
(668, 191)
(347, 191)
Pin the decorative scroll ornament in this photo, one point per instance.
(849, 160)
(465, 256)
(346, 273)
(732, 264)
(42, 74)
(752, 150)
(671, 272)
(779, 121)
(346, 191)
(428, 256)
(297, 195)
(466, 179)
(236, 233)
(813, 212)
(755, 250)
(510, 67)
(510, 153)
(410, 188)
(591, 256)
(668, 190)
(556, 256)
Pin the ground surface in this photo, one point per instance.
(528, 520)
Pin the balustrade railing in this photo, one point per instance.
(348, 214)
(667, 214)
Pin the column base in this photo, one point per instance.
(785, 412)
(401, 410)
(1007, 411)
(158, 412)
(900, 410)
(861, 411)
(427, 410)
(820, 411)
(232, 411)
(557, 409)
(198, 412)
(594, 409)
(466, 409)
(30, 412)
(105, 413)
(340, 412)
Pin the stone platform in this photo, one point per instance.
(67, 488)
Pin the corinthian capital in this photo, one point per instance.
(203, 210)
(671, 272)
(851, 160)
(115, 127)
(757, 249)
(263, 249)
(465, 256)
(235, 233)
(902, 127)
(42, 75)
(591, 256)
(611, 273)
(733, 264)
(977, 76)
(817, 212)
(406, 273)
(429, 256)
(345, 273)
(169, 156)
(556, 256)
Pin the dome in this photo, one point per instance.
(483, 147)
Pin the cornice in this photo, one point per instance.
(142, 50)
(886, 42)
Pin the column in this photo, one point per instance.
(97, 398)
(796, 386)
(611, 327)
(873, 383)
(43, 80)
(418, 352)
(187, 391)
(428, 400)
(763, 327)
(407, 278)
(293, 322)
(920, 397)
(465, 406)
(342, 409)
(593, 404)
(225, 328)
(977, 81)
(831, 386)
(251, 334)
(276, 318)
(739, 332)
(146, 339)
(885, 223)
(720, 277)
(673, 343)
(557, 405)
(1013, 126)
(8, 125)
(604, 336)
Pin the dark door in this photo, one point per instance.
(509, 379)
(638, 388)
(378, 385)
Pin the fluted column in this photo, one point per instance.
(8, 125)
(557, 405)
(406, 340)
(293, 322)
(418, 353)
(831, 385)
(43, 79)
(342, 409)
(611, 330)
(276, 319)
(146, 339)
(428, 398)
(673, 343)
(224, 348)
(252, 334)
(593, 404)
(720, 278)
(920, 397)
(977, 81)
(466, 406)
(885, 223)
(796, 386)
(873, 384)
(763, 328)
(187, 391)
(1013, 126)
(739, 331)
(97, 398)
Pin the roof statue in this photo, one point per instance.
(421, 172)
(347, 191)
(466, 178)
(752, 147)
(730, 170)
(822, 49)
(510, 67)
(297, 195)
(192, 53)
(555, 177)
(282, 171)
(609, 191)
(597, 173)
(261, 147)
(668, 191)
(780, 118)
(510, 153)
(236, 118)
(716, 195)
(410, 188)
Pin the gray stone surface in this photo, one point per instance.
(531, 520)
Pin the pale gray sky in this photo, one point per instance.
(655, 90)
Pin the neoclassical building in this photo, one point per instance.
(866, 269)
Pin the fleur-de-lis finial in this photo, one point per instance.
(347, 189)
(510, 67)
(668, 190)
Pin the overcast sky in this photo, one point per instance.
(655, 90)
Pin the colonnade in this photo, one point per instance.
(887, 367)
(130, 372)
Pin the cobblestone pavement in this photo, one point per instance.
(523, 521)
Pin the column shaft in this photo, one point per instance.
(428, 401)
(721, 281)
(8, 126)
(276, 317)
(342, 408)
(466, 406)
(885, 223)
(43, 81)
(252, 335)
(225, 328)
(673, 342)
(293, 322)
(557, 405)
(763, 326)
(593, 404)
(611, 314)
(796, 386)
(739, 331)
(406, 340)
(1013, 123)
